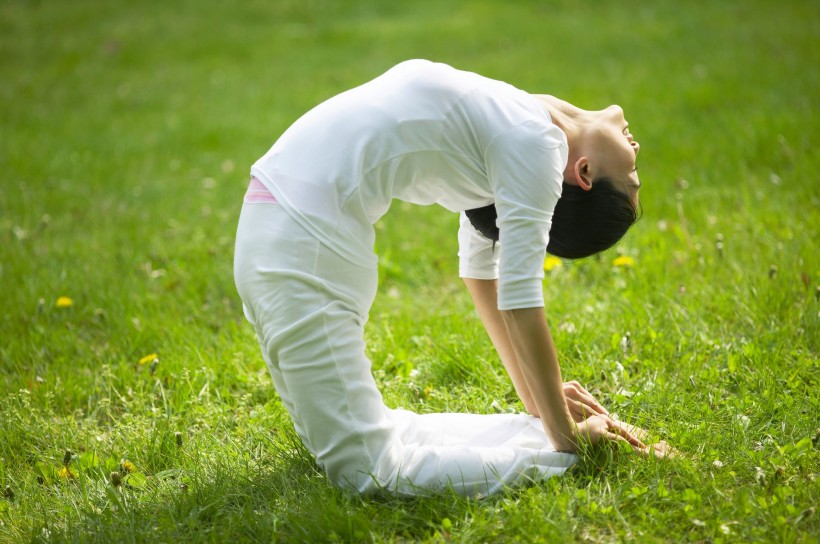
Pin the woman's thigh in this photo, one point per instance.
(275, 257)
(309, 307)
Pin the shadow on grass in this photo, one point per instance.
(224, 497)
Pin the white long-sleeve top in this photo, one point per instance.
(427, 133)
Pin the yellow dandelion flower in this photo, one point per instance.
(148, 359)
(623, 261)
(127, 466)
(66, 474)
(64, 302)
(552, 262)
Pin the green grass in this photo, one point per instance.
(126, 135)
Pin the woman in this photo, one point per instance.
(306, 272)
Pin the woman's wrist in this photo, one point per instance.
(567, 447)
(567, 441)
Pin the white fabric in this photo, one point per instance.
(477, 255)
(309, 306)
(425, 133)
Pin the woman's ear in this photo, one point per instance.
(581, 173)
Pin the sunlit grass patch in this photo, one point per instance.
(126, 137)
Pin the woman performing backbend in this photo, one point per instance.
(528, 172)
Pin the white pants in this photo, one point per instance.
(309, 306)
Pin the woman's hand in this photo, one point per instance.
(581, 403)
(633, 430)
(660, 450)
(537, 378)
(599, 428)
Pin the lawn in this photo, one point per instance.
(126, 136)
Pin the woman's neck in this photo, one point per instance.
(567, 117)
(572, 121)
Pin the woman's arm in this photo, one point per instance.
(534, 349)
(580, 402)
(569, 399)
(485, 298)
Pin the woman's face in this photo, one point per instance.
(612, 150)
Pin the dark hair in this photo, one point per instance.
(583, 223)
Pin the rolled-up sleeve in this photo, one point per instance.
(477, 255)
(525, 167)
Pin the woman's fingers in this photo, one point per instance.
(597, 428)
(646, 451)
(634, 431)
(603, 428)
(665, 450)
(580, 410)
(641, 450)
(581, 402)
(593, 429)
(622, 433)
(659, 450)
(577, 391)
(577, 410)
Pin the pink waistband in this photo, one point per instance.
(258, 193)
